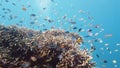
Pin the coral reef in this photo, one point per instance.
(23, 48)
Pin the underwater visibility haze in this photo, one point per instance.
(59, 34)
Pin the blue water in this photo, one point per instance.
(105, 13)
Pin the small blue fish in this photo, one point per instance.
(74, 27)
(32, 15)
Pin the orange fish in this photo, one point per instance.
(24, 9)
(78, 40)
(108, 35)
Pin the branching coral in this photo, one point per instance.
(25, 48)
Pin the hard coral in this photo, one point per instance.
(32, 49)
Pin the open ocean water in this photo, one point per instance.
(96, 21)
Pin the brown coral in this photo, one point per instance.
(25, 48)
